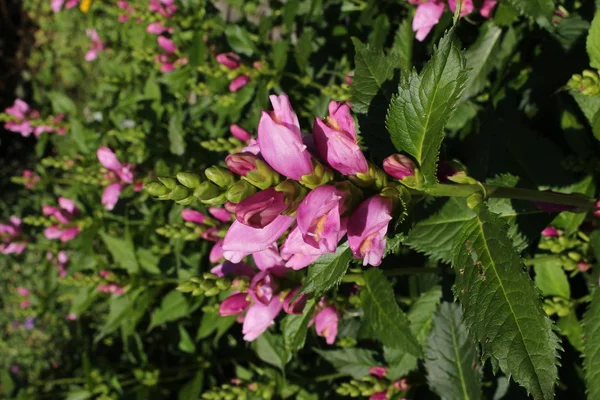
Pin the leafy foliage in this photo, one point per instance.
(591, 349)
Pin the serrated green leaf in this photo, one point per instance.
(501, 308)
(425, 101)
(383, 314)
(550, 277)
(239, 40)
(593, 42)
(570, 29)
(371, 72)
(570, 327)
(451, 357)
(591, 346)
(173, 306)
(481, 58)
(327, 271)
(400, 363)
(270, 349)
(354, 361)
(122, 251)
(539, 10)
(403, 44)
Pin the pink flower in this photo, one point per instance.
(234, 304)
(326, 324)
(111, 195)
(550, 231)
(583, 266)
(72, 317)
(280, 140)
(96, 46)
(348, 78)
(379, 395)
(296, 306)
(23, 291)
(241, 163)
(216, 253)
(108, 159)
(335, 139)
(467, 7)
(259, 317)
(156, 28)
(318, 217)
(239, 83)
(10, 237)
(194, 216)
(367, 228)
(378, 371)
(230, 60)
(260, 209)
(18, 110)
(262, 287)
(427, 16)
(25, 304)
(220, 213)
(487, 7)
(56, 5)
(64, 230)
(399, 166)
(298, 253)
(166, 44)
(242, 240)
(239, 132)
(269, 259)
(24, 127)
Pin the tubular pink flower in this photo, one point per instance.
(379, 395)
(194, 216)
(280, 140)
(125, 173)
(239, 83)
(68, 205)
(239, 132)
(69, 234)
(367, 228)
(234, 304)
(111, 195)
(260, 209)
(259, 317)
(241, 163)
(487, 7)
(108, 159)
(166, 44)
(298, 253)
(56, 5)
(427, 16)
(336, 143)
(378, 371)
(467, 7)
(156, 28)
(269, 259)
(242, 240)
(326, 324)
(296, 306)
(229, 60)
(216, 253)
(220, 213)
(18, 110)
(262, 287)
(399, 166)
(550, 231)
(23, 291)
(318, 217)
(52, 232)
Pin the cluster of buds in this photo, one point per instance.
(28, 178)
(116, 176)
(11, 237)
(571, 250)
(586, 83)
(232, 144)
(240, 390)
(374, 386)
(233, 62)
(61, 260)
(57, 5)
(109, 286)
(209, 285)
(21, 118)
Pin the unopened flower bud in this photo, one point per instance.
(168, 181)
(156, 189)
(374, 177)
(220, 176)
(189, 180)
(179, 193)
(320, 176)
(240, 191)
(399, 166)
(293, 193)
(206, 191)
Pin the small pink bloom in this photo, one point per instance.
(487, 7)
(242, 240)
(156, 28)
(262, 287)
(367, 228)
(194, 216)
(583, 266)
(69, 234)
(268, 259)
(427, 16)
(378, 371)
(260, 209)
(259, 317)
(25, 304)
(234, 304)
(167, 67)
(239, 83)
(239, 132)
(216, 253)
(467, 7)
(402, 385)
(108, 159)
(72, 317)
(348, 78)
(550, 231)
(298, 253)
(399, 166)
(280, 140)
(18, 110)
(230, 60)
(56, 5)
(111, 195)
(326, 324)
(241, 163)
(220, 213)
(319, 218)
(67, 205)
(167, 44)
(23, 291)
(296, 306)
(379, 395)
(52, 232)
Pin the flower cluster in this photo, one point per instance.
(117, 176)
(25, 120)
(429, 13)
(57, 5)
(11, 241)
(96, 45)
(233, 61)
(65, 227)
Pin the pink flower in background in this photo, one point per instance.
(348, 78)
(336, 142)
(239, 83)
(61, 261)
(378, 371)
(326, 324)
(239, 132)
(194, 216)
(234, 304)
(280, 140)
(23, 291)
(379, 395)
(19, 109)
(467, 7)
(128, 11)
(367, 228)
(399, 166)
(168, 62)
(57, 5)
(96, 46)
(166, 8)
(427, 16)
(64, 229)
(10, 237)
(296, 306)
(156, 28)
(111, 288)
(229, 60)
(166, 44)
(119, 175)
(487, 7)
(550, 231)
(260, 317)
(26, 120)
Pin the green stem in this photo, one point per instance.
(581, 202)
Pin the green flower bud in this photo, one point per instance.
(186, 287)
(220, 176)
(294, 193)
(240, 191)
(474, 200)
(168, 181)
(156, 189)
(264, 176)
(321, 175)
(373, 177)
(179, 193)
(224, 283)
(208, 284)
(206, 191)
(189, 180)
(212, 292)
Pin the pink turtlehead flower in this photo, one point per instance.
(467, 7)
(297, 252)
(336, 143)
(378, 371)
(10, 233)
(367, 228)
(166, 8)
(220, 213)
(64, 230)
(193, 216)
(487, 7)
(269, 259)
(242, 240)
(23, 291)
(280, 140)
(550, 231)
(166, 44)
(399, 166)
(216, 253)
(260, 317)
(241, 163)
(168, 62)
(229, 60)
(379, 395)
(427, 16)
(239, 132)
(262, 287)
(96, 46)
(156, 28)
(318, 217)
(260, 209)
(326, 324)
(109, 160)
(297, 306)
(19, 109)
(111, 195)
(239, 83)
(234, 304)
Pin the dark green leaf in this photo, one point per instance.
(591, 346)
(352, 361)
(295, 327)
(270, 349)
(593, 42)
(539, 10)
(403, 44)
(327, 271)
(481, 58)
(177, 144)
(122, 251)
(173, 306)
(550, 277)
(186, 343)
(239, 40)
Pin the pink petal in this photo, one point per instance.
(108, 159)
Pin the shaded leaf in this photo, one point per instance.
(481, 58)
(271, 350)
(591, 346)
(173, 306)
(122, 251)
(327, 271)
(550, 277)
(353, 361)
(593, 42)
